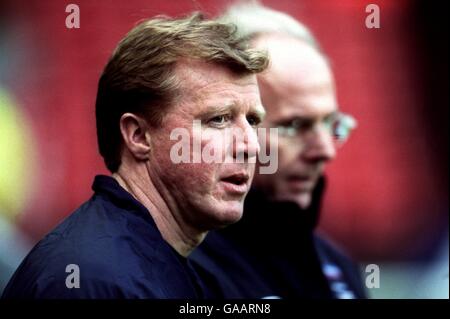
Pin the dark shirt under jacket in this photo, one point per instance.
(273, 253)
(118, 249)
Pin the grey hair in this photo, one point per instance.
(253, 19)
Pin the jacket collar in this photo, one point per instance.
(108, 186)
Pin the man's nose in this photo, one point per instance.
(319, 146)
(246, 142)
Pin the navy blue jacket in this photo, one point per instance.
(118, 249)
(273, 253)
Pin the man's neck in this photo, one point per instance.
(168, 219)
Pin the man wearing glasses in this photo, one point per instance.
(273, 251)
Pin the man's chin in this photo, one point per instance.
(232, 216)
(302, 199)
(227, 215)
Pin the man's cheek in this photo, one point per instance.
(213, 149)
(196, 175)
(286, 156)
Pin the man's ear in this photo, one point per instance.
(134, 130)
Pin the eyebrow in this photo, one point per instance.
(218, 109)
(306, 118)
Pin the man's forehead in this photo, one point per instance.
(283, 45)
(298, 82)
(293, 60)
(310, 101)
(207, 84)
(290, 111)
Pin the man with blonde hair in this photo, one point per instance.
(132, 238)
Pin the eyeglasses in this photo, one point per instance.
(338, 125)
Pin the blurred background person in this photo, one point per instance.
(273, 250)
(392, 79)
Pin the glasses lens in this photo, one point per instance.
(342, 127)
(339, 126)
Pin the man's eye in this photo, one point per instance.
(254, 120)
(295, 124)
(219, 120)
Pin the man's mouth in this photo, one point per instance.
(300, 182)
(236, 183)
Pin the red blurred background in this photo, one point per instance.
(387, 195)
